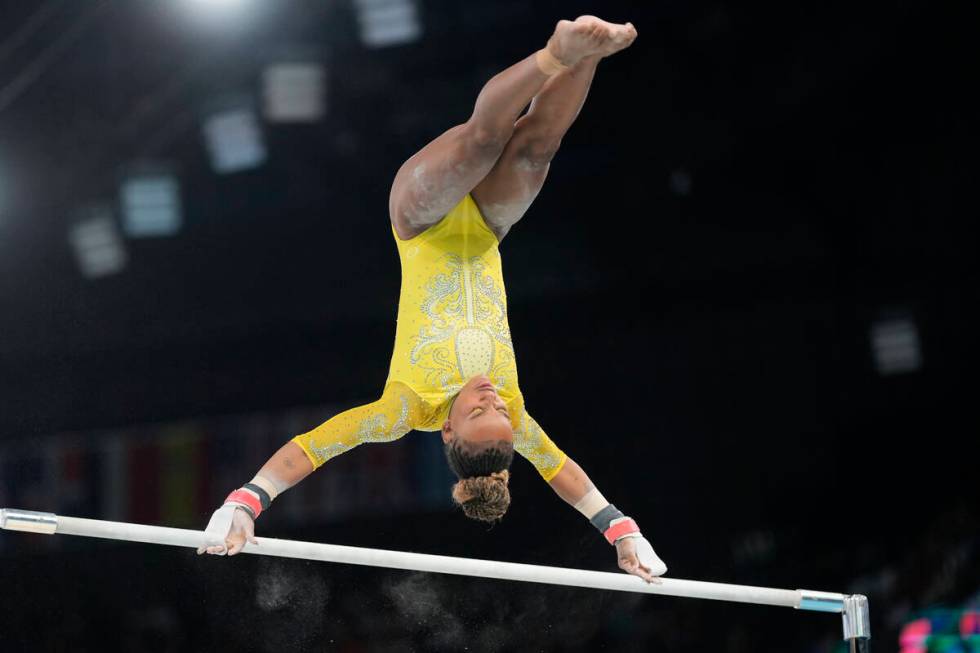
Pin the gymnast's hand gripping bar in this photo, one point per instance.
(854, 608)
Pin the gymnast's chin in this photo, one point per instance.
(479, 444)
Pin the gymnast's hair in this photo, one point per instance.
(482, 489)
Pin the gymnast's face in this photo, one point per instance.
(478, 415)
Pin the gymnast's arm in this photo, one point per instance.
(393, 415)
(572, 484)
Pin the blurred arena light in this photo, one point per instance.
(234, 138)
(96, 241)
(385, 23)
(224, 15)
(220, 4)
(294, 91)
(150, 201)
(895, 344)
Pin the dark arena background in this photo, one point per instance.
(742, 302)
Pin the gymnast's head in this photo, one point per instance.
(479, 445)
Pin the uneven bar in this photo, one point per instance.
(40, 522)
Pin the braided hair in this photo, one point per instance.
(482, 489)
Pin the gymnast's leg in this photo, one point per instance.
(507, 192)
(430, 183)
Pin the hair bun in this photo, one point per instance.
(502, 475)
(484, 497)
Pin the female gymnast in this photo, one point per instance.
(453, 367)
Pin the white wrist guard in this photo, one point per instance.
(591, 503)
(266, 485)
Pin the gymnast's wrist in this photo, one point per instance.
(607, 519)
(614, 525)
(254, 497)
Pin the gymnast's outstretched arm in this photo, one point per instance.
(393, 415)
(571, 483)
(634, 554)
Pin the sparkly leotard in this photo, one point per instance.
(452, 326)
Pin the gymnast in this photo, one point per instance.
(453, 367)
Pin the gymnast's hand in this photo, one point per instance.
(229, 528)
(637, 557)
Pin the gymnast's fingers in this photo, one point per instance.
(250, 532)
(632, 566)
(628, 562)
(645, 574)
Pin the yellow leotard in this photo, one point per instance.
(452, 325)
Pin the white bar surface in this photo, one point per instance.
(432, 563)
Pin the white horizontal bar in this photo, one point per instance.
(26, 520)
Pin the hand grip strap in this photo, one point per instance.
(620, 529)
(247, 500)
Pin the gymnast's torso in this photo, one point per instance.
(452, 326)
(452, 314)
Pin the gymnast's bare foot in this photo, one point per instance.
(587, 36)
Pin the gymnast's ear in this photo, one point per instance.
(447, 432)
